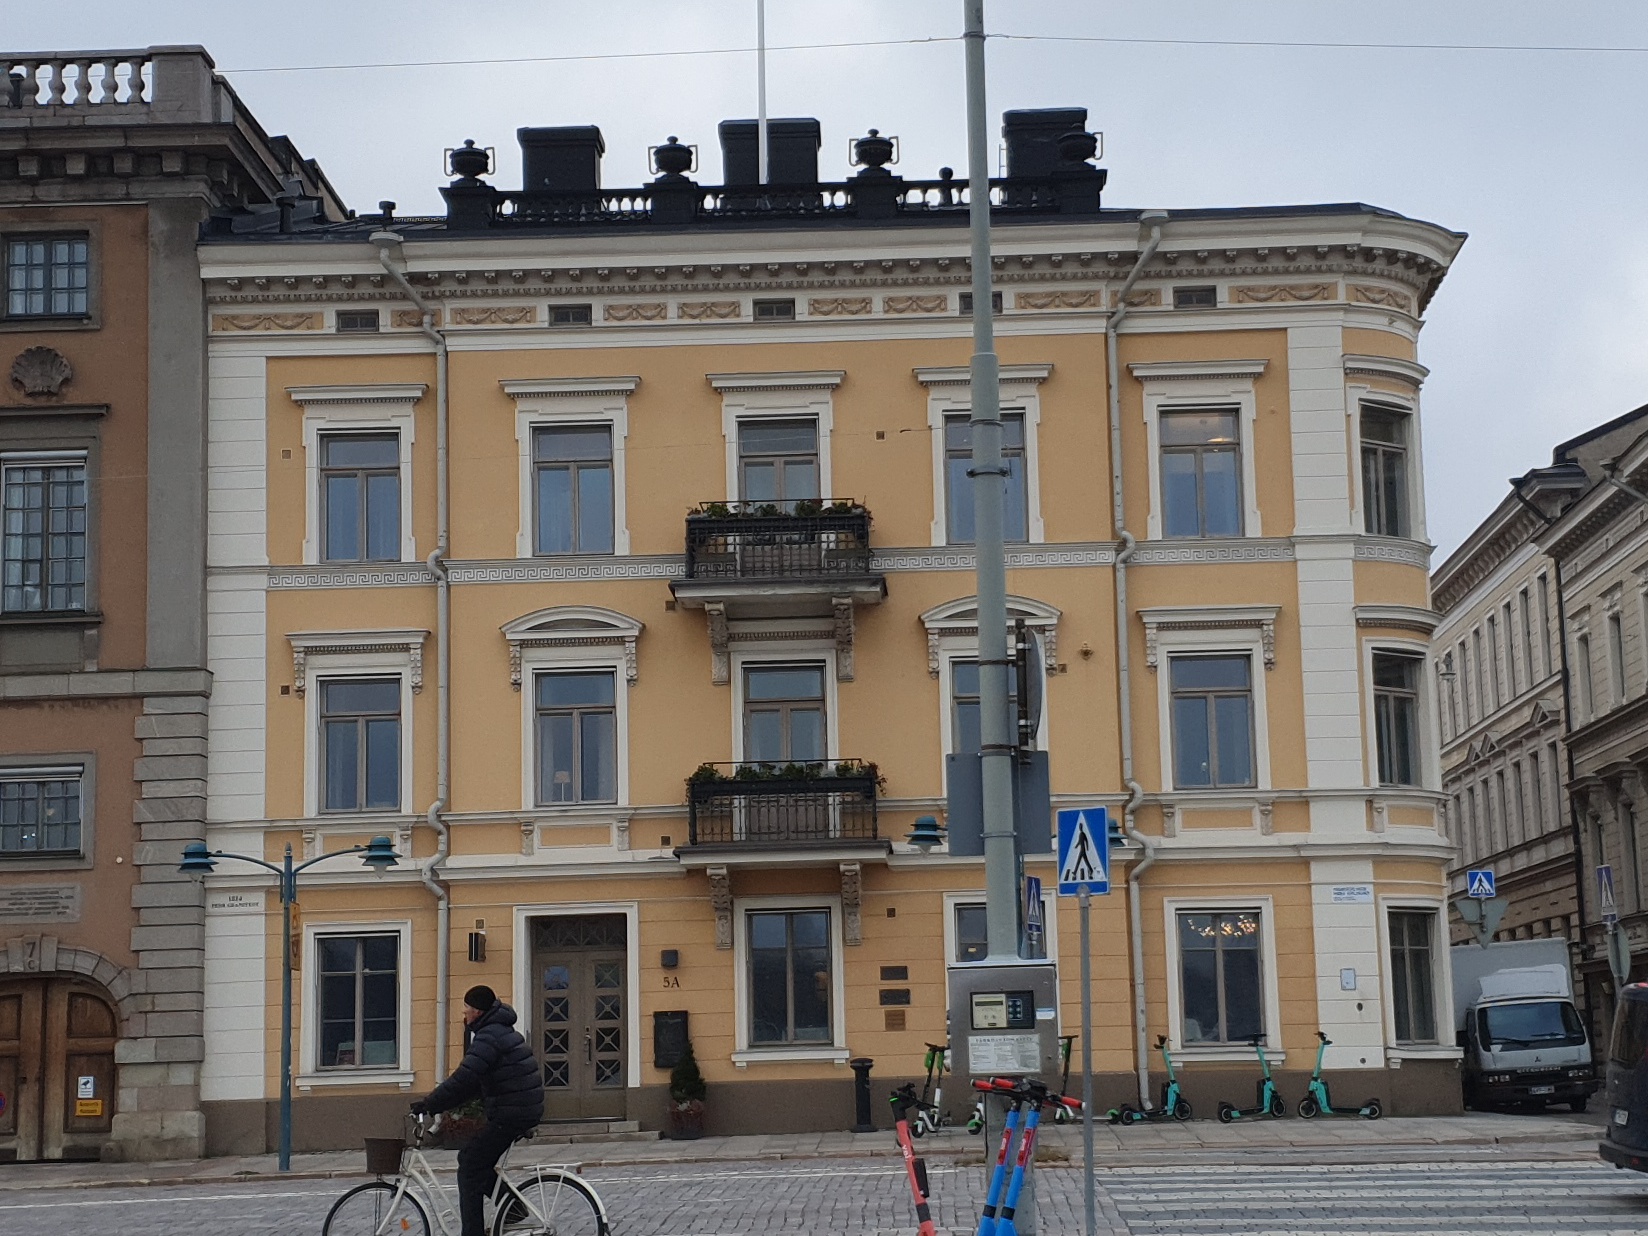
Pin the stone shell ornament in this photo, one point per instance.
(41, 371)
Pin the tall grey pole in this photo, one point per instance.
(1001, 898)
(1090, 1202)
(288, 889)
(761, 91)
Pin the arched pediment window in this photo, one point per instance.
(570, 627)
(958, 619)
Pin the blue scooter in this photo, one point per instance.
(1271, 1102)
(1173, 1101)
(1316, 1101)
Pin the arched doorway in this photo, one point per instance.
(57, 1073)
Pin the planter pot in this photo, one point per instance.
(684, 1122)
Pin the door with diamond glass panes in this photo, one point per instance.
(581, 1029)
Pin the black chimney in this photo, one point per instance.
(561, 159)
(792, 152)
(1032, 137)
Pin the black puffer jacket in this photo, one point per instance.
(498, 1066)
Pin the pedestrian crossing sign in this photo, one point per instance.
(1479, 883)
(1084, 851)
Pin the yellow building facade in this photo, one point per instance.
(620, 570)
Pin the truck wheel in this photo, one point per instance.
(1579, 1104)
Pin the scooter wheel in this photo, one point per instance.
(1372, 1110)
(1278, 1108)
(975, 1126)
(1121, 1115)
(1308, 1107)
(1227, 1113)
(1181, 1110)
(918, 1130)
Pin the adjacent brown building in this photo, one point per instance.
(110, 162)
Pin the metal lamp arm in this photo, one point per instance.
(320, 858)
(247, 858)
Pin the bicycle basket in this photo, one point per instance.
(383, 1155)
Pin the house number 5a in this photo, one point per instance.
(671, 981)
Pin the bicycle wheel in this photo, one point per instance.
(550, 1201)
(373, 1209)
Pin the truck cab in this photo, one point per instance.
(1524, 1041)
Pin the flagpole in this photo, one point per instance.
(761, 91)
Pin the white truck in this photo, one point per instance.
(1514, 1015)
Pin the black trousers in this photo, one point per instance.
(477, 1172)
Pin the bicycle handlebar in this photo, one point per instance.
(1161, 1041)
(1024, 1088)
(1324, 1038)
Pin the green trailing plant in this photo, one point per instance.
(686, 1083)
(712, 510)
(807, 508)
(816, 770)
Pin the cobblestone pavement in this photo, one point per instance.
(1485, 1193)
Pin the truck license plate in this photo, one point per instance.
(1541, 1089)
(1621, 1116)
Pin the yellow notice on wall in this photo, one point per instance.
(88, 1107)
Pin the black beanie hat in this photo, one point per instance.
(480, 998)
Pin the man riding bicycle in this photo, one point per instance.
(499, 1066)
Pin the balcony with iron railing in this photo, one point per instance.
(799, 807)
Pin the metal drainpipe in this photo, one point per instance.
(1154, 219)
(388, 243)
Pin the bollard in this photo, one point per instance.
(861, 1066)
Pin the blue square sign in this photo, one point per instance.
(1084, 851)
(1479, 882)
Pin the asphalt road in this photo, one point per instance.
(1404, 1194)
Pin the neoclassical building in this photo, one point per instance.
(610, 549)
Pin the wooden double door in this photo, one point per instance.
(57, 1072)
(581, 1021)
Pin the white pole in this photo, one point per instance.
(761, 91)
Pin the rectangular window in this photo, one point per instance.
(1490, 819)
(1413, 989)
(1465, 684)
(40, 814)
(778, 462)
(964, 303)
(972, 933)
(357, 321)
(1493, 662)
(48, 277)
(43, 560)
(790, 977)
(1519, 802)
(1445, 690)
(784, 714)
(1472, 839)
(1503, 798)
(577, 737)
(360, 486)
(1545, 624)
(1195, 298)
(1220, 972)
(1628, 851)
(1582, 677)
(573, 483)
(964, 705)
(1530, 666)
(1616, 659)
(571, 315)
(1510, 650)
(1536, 786)
(1484, 703)
(1396, 717)
(958, 485)
(1385, 472)
(361, 743)
(1201, 473)
(1212, 721)
(774, 310)
(358, 1001)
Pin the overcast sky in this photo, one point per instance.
(1536, 335)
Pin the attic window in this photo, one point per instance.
(357, 321)
(965, 303)
(1196, 298)
(775, 310)
(571, 315)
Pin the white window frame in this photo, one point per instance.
(1430, 771)
(1264, 906)
(536, 661)
(1442, 993)
(788, 396)
(1049, 913)
(1241, 630)
(389, 408)
(548, 403)
(337, 663)
(309, 1074)
(795, 652)
(950, 393)
(834, 1052)
(59, 458)
(1172, 386)
(1358, 398)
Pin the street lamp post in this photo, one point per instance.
(378, 854)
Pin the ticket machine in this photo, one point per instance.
(1004, 1019)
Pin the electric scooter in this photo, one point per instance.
(1316, 1101)
(1271, 1102)
(930, 1113)
(1173, 1101)
(1001, 1205)
(1061, 1113)
(903, 1099)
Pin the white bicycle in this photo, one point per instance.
(550, 1200)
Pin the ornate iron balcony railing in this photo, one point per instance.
(766, 805)
(762, 540)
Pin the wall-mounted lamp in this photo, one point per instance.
(926, 834)
(669, 958)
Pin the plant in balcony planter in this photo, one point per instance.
(713, 510)
(685, 1113)
(845, 508)
(809, 508)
